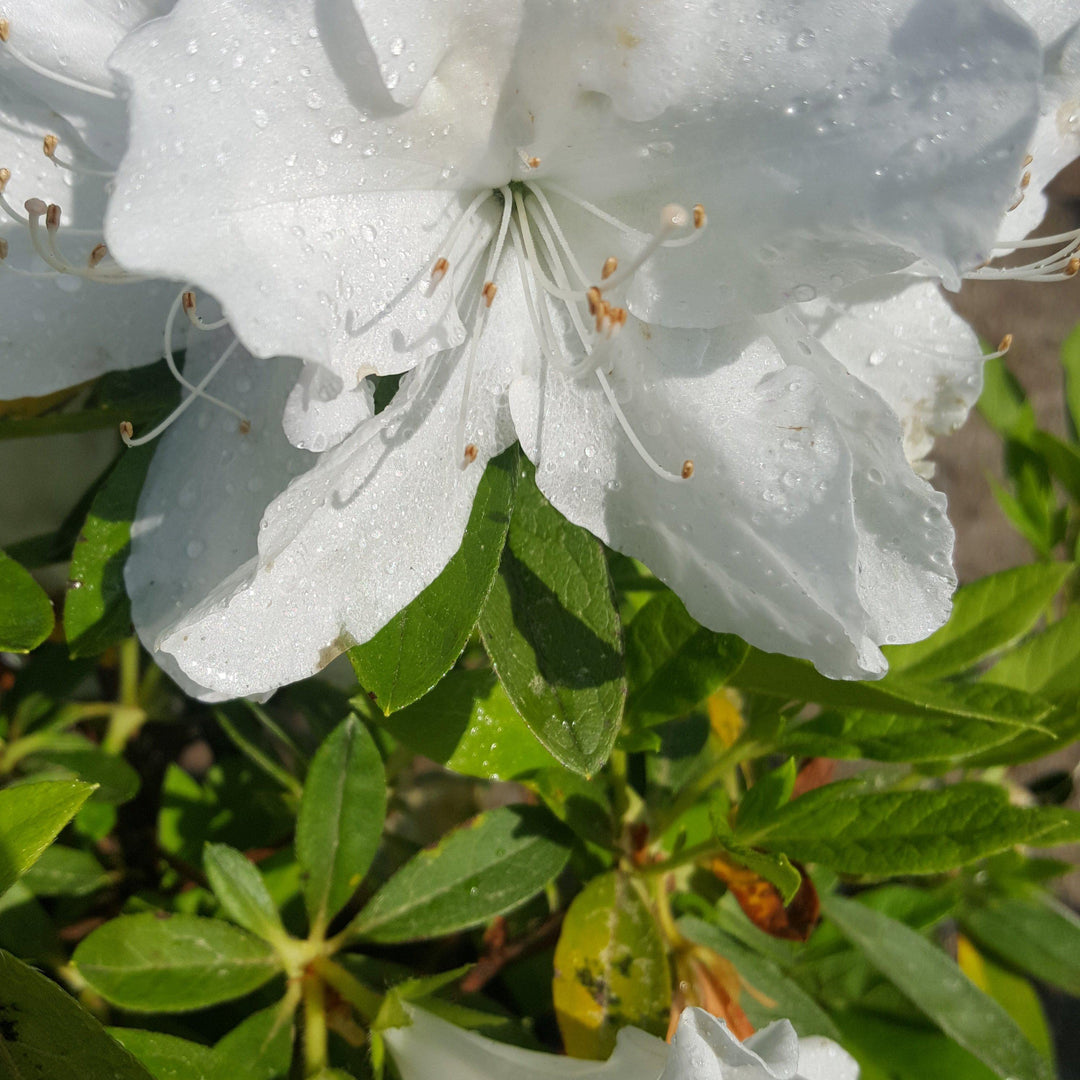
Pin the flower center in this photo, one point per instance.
(550, 269)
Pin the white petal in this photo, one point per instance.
(822, 1059)
(355, 539)
(431, 1048)
(321, 411)
(56, 332)
(208, 485)
(900, 337)
(704, 1048)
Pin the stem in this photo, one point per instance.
(620, 784)
(129, 671)
(314, 1027)
(364, 1000)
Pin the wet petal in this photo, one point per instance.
(321, 410)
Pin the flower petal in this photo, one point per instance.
(900, 337)
(705, 1048)
(208, 485)
(822, 1059)
(356, 538)
(318, 226)
(432, 1047)
(58, 331)
(321, 411)
(767, 538)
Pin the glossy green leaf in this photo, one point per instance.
(578, 802)
(341, 818)
(97, 614)
(1036, 935)
(767, 794)
(936, 985)
(405, 659)
(553, 633)
(72, 755)
(611, 968)
(27, 930)
(673, 663)
(167, 1057)
(468, 724)
(31, 817)
(26, 615)
(241, 891)
(796, 680)
(1047, 664)
(777, 995)
(987, 616)
(907, 832)
(45, 1034)
(65, 871)
(149, 964)
(492, 864)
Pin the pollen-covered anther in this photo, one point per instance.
(187, 301)
(127, 430)
(438, 271)
(1006, 343)
(5, 29)
(244, 427)
(700, 217)
(99, 253)
(1073, 267)
(687, 469)
(533, 162)
(488, 292)
(611, 264)
(470, 453)
(594, 299)
(5, 176)
(1025, 181)
(52, 217)
(1028, 159)
(49, 145)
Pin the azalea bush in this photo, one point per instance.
(511, 628)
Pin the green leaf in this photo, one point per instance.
(611, 968)
(937, 986)
(26, 929)
(796, 680)
(150, 964)
(116, 781)
(776, 869)
(31, 817)
(405, 659)
(987, 616)
(488, 866)
(673, 663)
(1047, 664)
(340, 819)
(45, 1034)
(767, 795)
(1003, 403)
(258, 1049)
(97, 614)
(468, 724)
(26, 615)
(553, 633)
(1036, 935)
(855, 733)
(907, 832)
(1070, 361)
(65, 871)
(581, 804)
(168, 1057)
(785, 998)
(241, 891)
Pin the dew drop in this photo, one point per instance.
(337, 136)
(803, 39)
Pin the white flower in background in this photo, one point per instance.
(703, 1048)
(57, 328)
(488, 195)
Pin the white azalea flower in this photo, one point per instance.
(703, 1048)
(435, 190)
(57, 328)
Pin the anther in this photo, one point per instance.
(594, 299)
(611, 264)
(1006, 343)
(1026, 162)
(687, 469)
(3, 249)
(700, 217)
(1073, 267)
(244, 427)
(5, 29)
(439, 271)
(49, 145)
(470, 453)
(97, 255)
(488, 292)
(52, 217)
(5, 176)
(187, 300)
(126, 430)
(533, 162)
(1025, 181)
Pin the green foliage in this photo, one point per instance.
(26, 616)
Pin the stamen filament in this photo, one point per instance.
(33, 65)
(126, 429)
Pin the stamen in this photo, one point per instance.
(187, 300)
(529, 161)
(49, 145)
(1060, 265)
(439, 271)
(611, 264)
(687, 468)
(97, 255)
(480, 319)
(63, 80)
(170, 359)
(672, 218)
(127, 431)
(442, 263)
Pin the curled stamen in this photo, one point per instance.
(49, 249)
(187, 301)
(32, 65)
